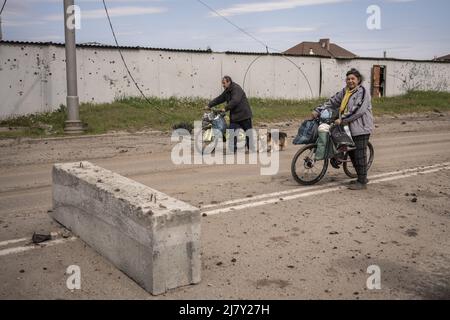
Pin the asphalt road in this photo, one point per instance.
(263, 236)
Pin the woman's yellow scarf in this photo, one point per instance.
(347, 96)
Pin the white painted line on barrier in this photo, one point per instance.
(398, 176)
(14, 250)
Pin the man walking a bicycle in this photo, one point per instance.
(355, 110)
(240, 111)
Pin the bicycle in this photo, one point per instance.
(305, 159)
(214, 129)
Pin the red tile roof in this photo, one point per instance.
(322, 48)
(444, 58)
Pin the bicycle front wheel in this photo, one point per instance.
(305, 169)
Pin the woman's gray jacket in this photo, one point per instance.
(358, 115)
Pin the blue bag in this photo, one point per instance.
(219, 124)
(307, 133)
(329, 115)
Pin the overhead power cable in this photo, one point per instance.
(233, 24)
(3, 7)
(266, 46)
(125, 63)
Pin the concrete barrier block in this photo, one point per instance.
(153, 238)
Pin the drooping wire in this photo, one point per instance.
(3, 7)
(233, 24)
(267, 47)
(299, 69)
(126, 65)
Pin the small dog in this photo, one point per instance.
(282, 141)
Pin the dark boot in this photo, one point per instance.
(366, 181)
(358, 186)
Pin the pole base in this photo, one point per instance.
(73, 127)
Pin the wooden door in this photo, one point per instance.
(376, 81)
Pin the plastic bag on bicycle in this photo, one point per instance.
(324, 149)
(307, 133)
(342, 138)
(219, 123)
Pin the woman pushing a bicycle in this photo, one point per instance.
(355, 110)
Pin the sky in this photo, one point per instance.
(409, 29)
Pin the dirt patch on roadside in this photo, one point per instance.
(23, 151)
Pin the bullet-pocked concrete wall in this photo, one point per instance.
(32, 76)
(401, 76)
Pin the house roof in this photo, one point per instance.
(321, 48)
(444, 58)
(101, 46)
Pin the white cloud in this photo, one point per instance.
(20, 23)
(130, 33)
(282, 29)
(107, 1)
(244, 8)
(113, 12)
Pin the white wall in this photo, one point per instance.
(401, 76)
(32, 76)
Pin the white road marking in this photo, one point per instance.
(14, 250)
(8, 242)
(270, 199)
(306, 188)
(397, 176)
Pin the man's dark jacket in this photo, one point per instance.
(237, 103)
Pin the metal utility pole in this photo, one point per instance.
(73, 124)
(1, 12)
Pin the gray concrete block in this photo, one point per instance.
(153, 238)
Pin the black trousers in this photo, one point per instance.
(244, 125)
(359, 157)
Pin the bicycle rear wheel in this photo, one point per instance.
(348, 166)
(305, 169)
